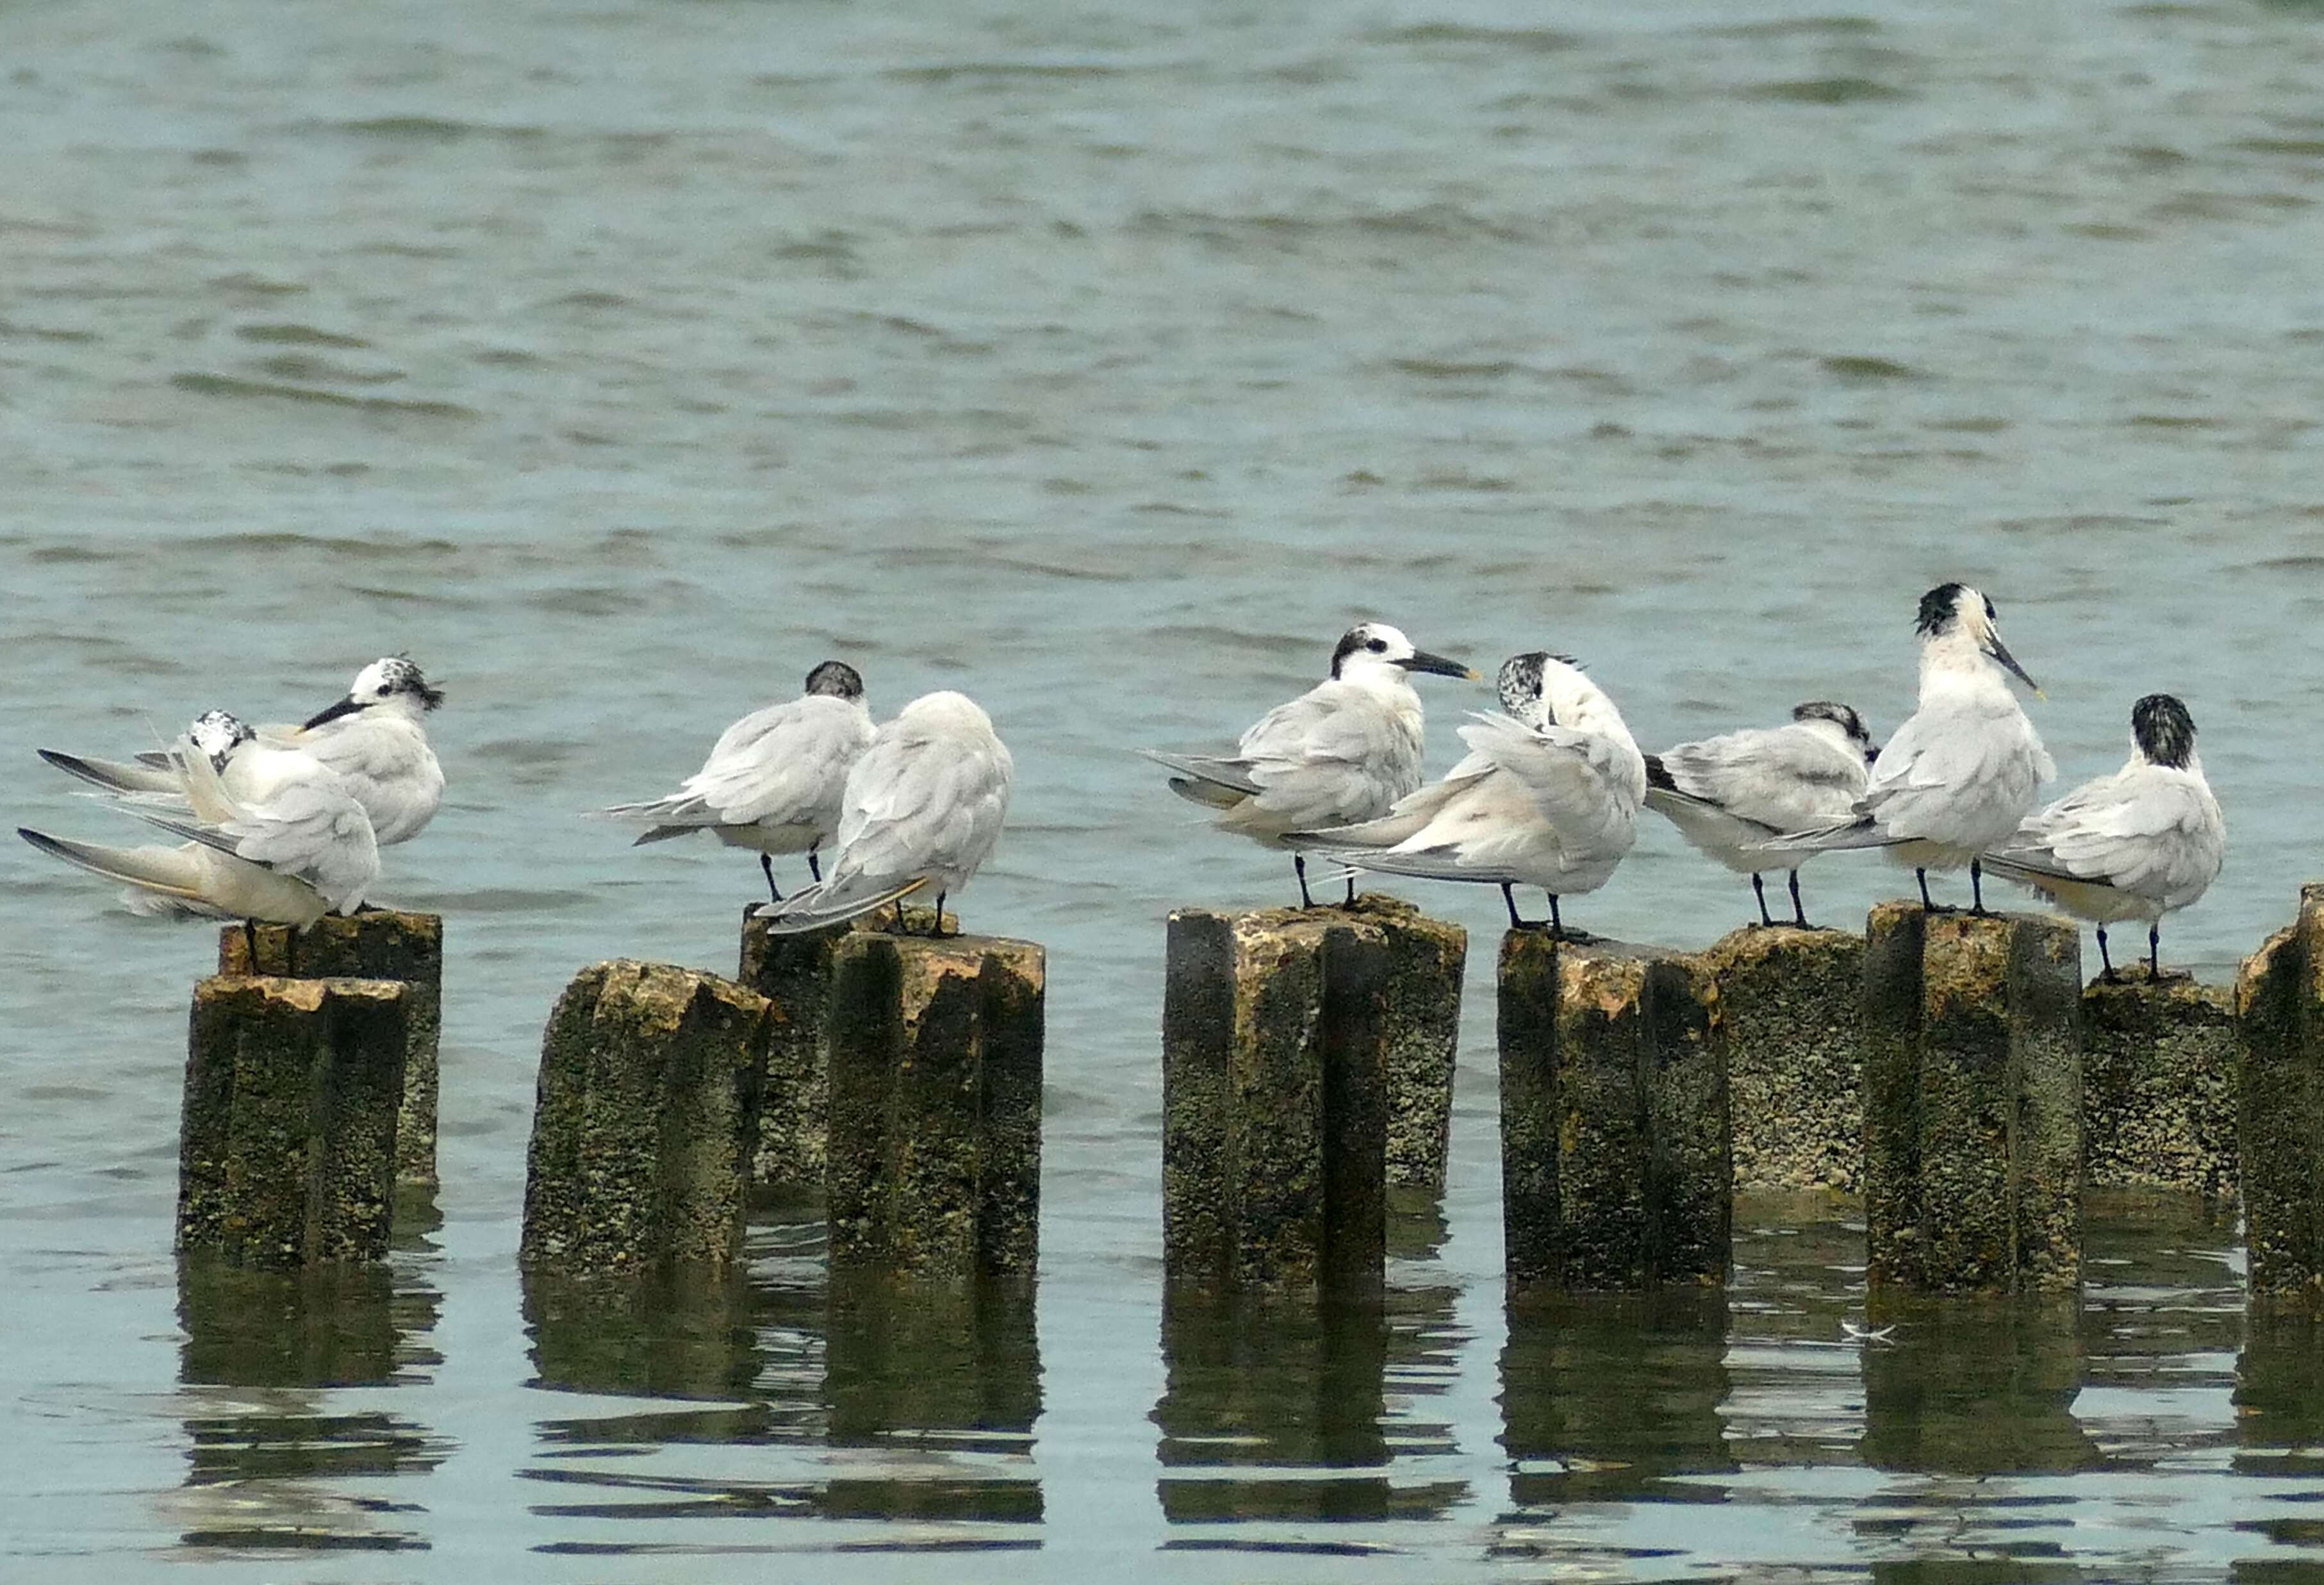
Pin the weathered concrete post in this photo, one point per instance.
(1614, 1172)
(379, 943)
(934, 1133)
(286, 1150)
(645, 1122)
(1427, 958)
(1790, 1004)
(2280, 1029)
(1274, 1126)
(2159, 1063)
(794, 973)
(1972, 1101)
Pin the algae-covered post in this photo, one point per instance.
(1425, 961)
(287, 1139)
(1791, 1009)
(1273, 1129)
(935, 1130)
(794, 973)
(1972, 1101)
(2159, 1062)
(645, 1121)
(378, 943)
(1615, 1171)
(2280, 1029)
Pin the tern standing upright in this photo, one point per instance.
(2138, 844)
(1342, 752)
(1963, 769)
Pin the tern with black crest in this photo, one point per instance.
(1341, 753)
(774, 779)
(2141, 843)
(1548, 797)
(920, 813)
(1963, 769)
(1730, 794)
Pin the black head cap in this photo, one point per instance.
(1362, 635)
(2163, 730)
(836, 678)
(1839, 715)
(402, 674)
(1519, 682)
(1939, 607)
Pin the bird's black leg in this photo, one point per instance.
(813, 868)
(899, 916)
(1556, 925)
(2106, 964)
(937, 929)
(1799, 914)
(1976, 888)
(1299, 868)
(1510, 896)
(1922, 876)
(250, 943)
(1351, 903)
(767, 863)
(2154, 950)
(1759, 890)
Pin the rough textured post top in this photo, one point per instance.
(1967, 953)
(1751, 945)
(1605, 971)
(880, 922)
(660, 993)
(254, 991)
(2174, 995)
(2257, 967)
(384, 943)
(926, 959)
(1295, 922)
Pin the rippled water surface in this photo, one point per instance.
(621, 362)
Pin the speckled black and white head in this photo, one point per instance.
(216, 733)
(1370, 646)
(392, 682)
(837, 679)
(2163, 730)
(1519, 683)
(1850, 724)
(1954, 613)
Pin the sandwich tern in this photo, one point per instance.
(774, 779)
(922, 808)
(1963, 769)
(1728, 796)
(2138, 844)
(1341, 753)
(285, 848)
(1547, 797)
(371, 737)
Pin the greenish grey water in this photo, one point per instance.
(622, 362)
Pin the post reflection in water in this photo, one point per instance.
(901, 1412)
(273, 1463)
(2279, 1432)
(1297, 1412)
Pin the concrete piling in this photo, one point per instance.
(935, 1108)
(1791, 1006)
(1274, 1131)
(379, 943)
(2278, 1001)
(286, 1138)
(2159, 1062)
(1422, 1012)
(794, 973)
(1614, 1172)
(646, 1121)
(1972, 1101)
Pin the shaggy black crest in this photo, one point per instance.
(2163, 730)
(1937, 609)
(1519, 682)
(1359, 636)
(837, 679)
(1839, 715)
(400, 674)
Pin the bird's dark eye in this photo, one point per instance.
(1990, 614)
(1377, 645)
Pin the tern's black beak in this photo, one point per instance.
(1422, 660)
(2000, 651)
(346, 707)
